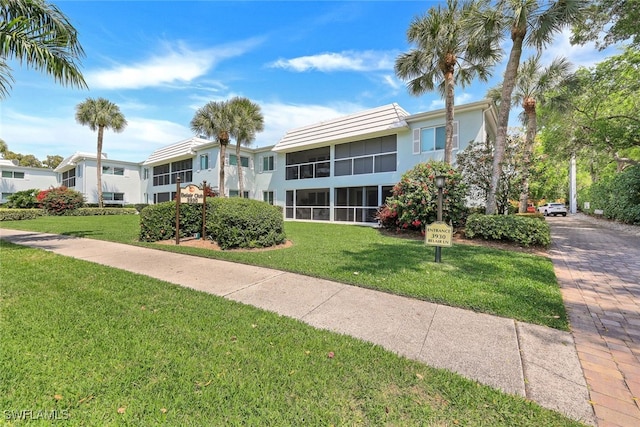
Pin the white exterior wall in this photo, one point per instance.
(38, 178)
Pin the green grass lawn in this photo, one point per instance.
(103, 346)
(506, 283)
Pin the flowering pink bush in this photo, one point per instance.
(414, 201)
(59, 200)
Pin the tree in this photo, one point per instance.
(215, 120)
(38, 34)
(476, 166)
(52, 162)
(602, 121)
(533, 87)
(100, 114)
(3, 146)
(529, 23)
(248, 121)
(447, 53)
(609, 22)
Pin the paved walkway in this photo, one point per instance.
(599, 272)
(519, 358)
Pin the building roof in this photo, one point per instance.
(179, 149)
(374, 122)
(72, 160)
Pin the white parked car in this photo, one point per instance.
(553, 209)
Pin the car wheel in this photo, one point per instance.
(564, 214)
(546, 213)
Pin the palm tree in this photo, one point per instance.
(446, 53)
(215, 120)
(532, 84)
(530, 23)
(248, 121)
(39, 34)
(100, 114)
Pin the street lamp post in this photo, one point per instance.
(439, 185)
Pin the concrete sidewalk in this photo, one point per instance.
(527, 360)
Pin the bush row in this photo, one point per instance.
(19, 214)
(524, 230)
(617, 196)
(231, 222)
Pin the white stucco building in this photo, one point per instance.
(336, 170)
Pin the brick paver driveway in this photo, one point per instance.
(599, 271)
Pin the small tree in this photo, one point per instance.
(414, 202)
(60, 200)
(23, 199)
(476, 165)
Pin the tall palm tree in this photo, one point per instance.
(215, 120)
(37, 33)
(446, 53)
(533, 82)
(248, 121)
(531, 23)
(100, 114)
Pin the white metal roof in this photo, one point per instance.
(373, 122)
(73, 159)
(174, 151)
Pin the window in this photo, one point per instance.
(373, 155)
(13, 174)
(268, 164)
(204, 161)
(308, 204)
(145, 173)
(5, 196)
(308, 164)
(233, 160)
(69, 178)
(182, 169)
(236, 193)
(161, 175)
(166, 174)
(433, 138)
(163, 197)
(356, 204)
(115, 197)
(267, 196)
(112, 170)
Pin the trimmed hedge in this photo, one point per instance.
(231, 222)
(19, 214)
(245, 223)
(158, 222)
(526, 231)
(101, 211)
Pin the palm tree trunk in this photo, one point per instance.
(532, 126)
(239, 166)
(503, 116)
(99, 165)
(223, 153)
(449, 106)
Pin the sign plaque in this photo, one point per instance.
(439, 234)
(191, 194)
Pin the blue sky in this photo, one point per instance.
(301, 61)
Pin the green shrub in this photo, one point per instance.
(414, 201)
(60, 200)
(526, 231)
(245, 223)
(19, 214)
(101, 211)
(158, 222)
(25, 199)
(618, 196)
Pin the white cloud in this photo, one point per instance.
(63, 136)
(280, 118)
(461, 99)
(344, 61)
(178, 64)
